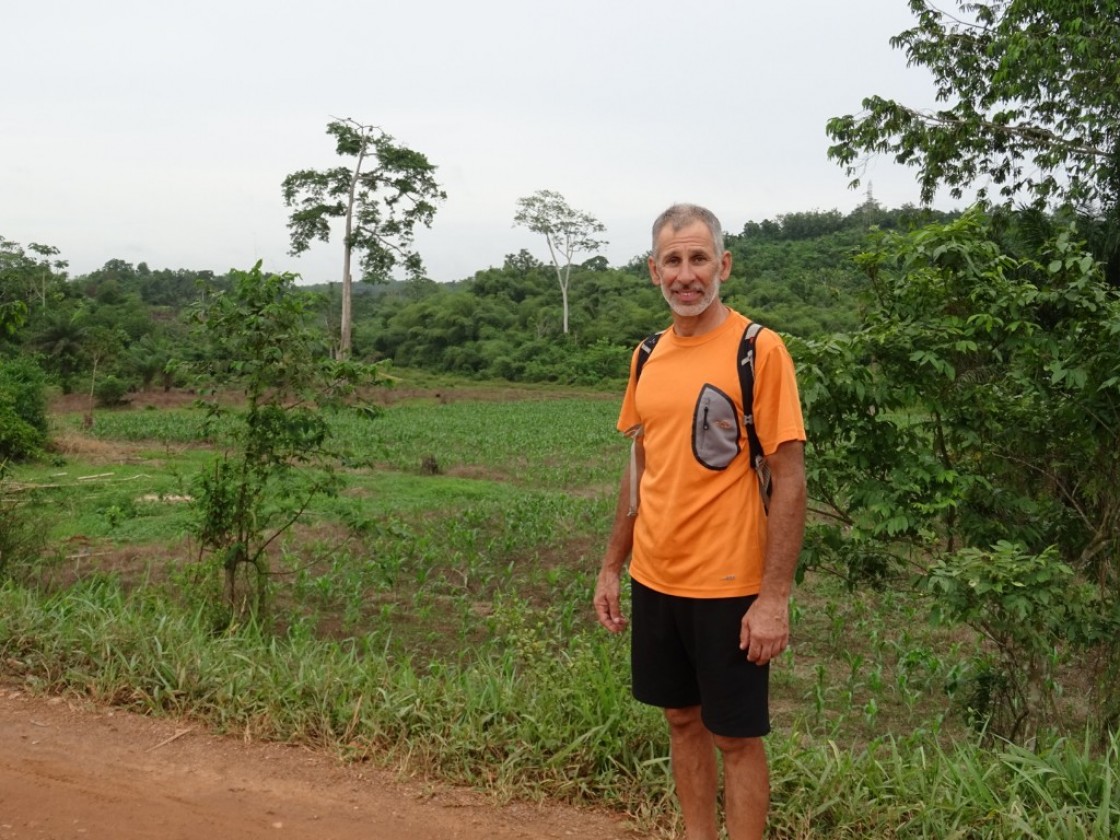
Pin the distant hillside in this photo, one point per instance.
(794, 273)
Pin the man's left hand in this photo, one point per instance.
(764, 632)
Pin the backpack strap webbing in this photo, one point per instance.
(634, 432)
(644, 351)
(745, 366)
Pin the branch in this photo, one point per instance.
(1065, 493)
(958, 21)
(295, 516)
(831, 512)
(1027, 132)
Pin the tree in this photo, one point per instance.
(58, 337)
(381, 196)
(966, 437)
(100, 344)
(566, 231)
(47, 272)
(276, 457)
(1032, 106)
(26, 281)
(522, 262)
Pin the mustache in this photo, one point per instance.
(691, 286)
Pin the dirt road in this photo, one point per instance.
(70, 770)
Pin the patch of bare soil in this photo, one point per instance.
(70, 770)
(182, 398)
(79, 403)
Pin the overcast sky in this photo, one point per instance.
(160, 132)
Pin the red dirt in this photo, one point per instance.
(69, 769)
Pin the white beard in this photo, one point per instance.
(693, 309)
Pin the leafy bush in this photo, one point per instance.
(23, 409)
(111, 391)
(1032, 609)
(22, 534)
(18, 440)
(971, 422)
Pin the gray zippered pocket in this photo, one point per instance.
(715, 429)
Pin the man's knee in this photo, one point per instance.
(684, 719)
(736, 747)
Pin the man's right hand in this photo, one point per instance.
(607, 606)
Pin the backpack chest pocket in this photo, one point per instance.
(715, 429)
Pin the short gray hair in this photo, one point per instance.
(682, 215)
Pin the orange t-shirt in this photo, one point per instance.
(701, 527)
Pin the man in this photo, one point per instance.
(710, 569)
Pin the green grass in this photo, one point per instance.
(125, 503)
(441, 623)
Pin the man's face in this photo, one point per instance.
(688, 269)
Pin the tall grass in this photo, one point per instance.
(440, 624)
(531, 719)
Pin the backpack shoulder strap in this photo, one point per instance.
(645, 349)
(745, 365)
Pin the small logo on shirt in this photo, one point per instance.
(729, 577)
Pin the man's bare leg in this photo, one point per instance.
(693, 757)
(746, 786)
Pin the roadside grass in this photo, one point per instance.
(438, 622)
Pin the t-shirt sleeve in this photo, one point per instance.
(777, 405)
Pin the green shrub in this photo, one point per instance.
(18, 440)
(111, 391)
(22, 535)
(23, 409)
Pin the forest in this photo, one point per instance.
(356, 517)
(113, 331)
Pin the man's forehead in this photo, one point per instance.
(692, 237)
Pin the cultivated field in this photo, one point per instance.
(434, 617)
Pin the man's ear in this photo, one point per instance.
(654, 276)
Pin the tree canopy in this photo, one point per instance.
(381, 195)
(1031, 93)
(26, 281)
(567, 232)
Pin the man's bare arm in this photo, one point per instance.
(619, 545)
(765, 630)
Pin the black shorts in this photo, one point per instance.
(685, 652)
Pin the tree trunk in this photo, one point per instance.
(344, 326)
(87, 421)
(564, 297)
(562, 275)
(348, 248)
